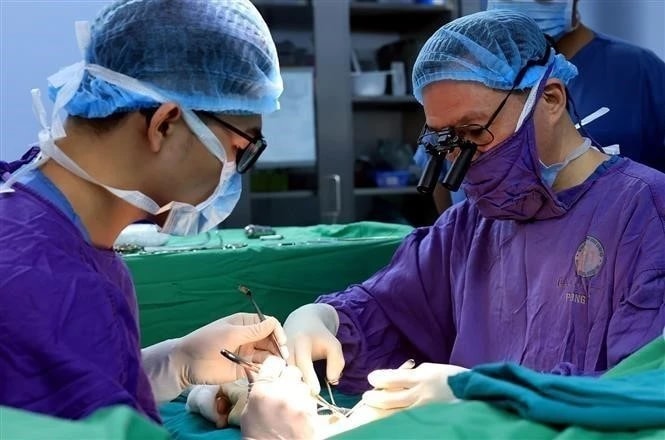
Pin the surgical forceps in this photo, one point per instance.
(255, 368)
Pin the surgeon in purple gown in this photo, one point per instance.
(627, 79)
(163, 114)
(556, 261)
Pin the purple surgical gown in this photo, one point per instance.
(572, 295)
(69, 337)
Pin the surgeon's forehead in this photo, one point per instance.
(450, 103)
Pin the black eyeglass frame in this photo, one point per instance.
(247, 157)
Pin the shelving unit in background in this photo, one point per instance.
(331, 195)
(279, 204)
(398, 17)
(397, 119)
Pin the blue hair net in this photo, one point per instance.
(209, 55)
(489, 47)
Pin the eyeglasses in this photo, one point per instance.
(477, 133)
(443, 141)
(247, 157)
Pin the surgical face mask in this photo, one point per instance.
(182, 218)
(554, 17)
(185, 219)
(549, 172)
(505, 182)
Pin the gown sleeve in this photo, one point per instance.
(403, 311)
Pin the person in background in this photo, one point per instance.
(555, 261)
(163, 114)
(627, 79)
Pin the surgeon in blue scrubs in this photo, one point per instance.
(628, 79)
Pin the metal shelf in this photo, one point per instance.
(285, 14)
(386, 191)
(282, 195)
(385, 102)
(388, 17)
(359, 8)
(280, 3)
(332, 24)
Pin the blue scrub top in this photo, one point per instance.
(630, 81)
(36, 181)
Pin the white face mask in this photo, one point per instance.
(183, 218)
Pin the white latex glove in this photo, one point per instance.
(403, 388)
(311, 331)
(175, 364)
(279, 405)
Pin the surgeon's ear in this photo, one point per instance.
(161, 124)
(554, 99)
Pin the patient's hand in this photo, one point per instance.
(221, 405)
(231, 399)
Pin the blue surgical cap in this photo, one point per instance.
(488, 47)
(209, 55)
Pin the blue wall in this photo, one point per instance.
(640, 22)
(37, 38)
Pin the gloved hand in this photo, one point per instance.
(279, 405)
(175, 364)
(311, 331)
(403, 388)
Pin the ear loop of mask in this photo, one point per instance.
(570, 103)
(533, 93)
(51, 150)
(195, 124)
(131, 84)
(570, 106)
(530, 102)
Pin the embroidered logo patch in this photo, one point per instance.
(589, 257)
